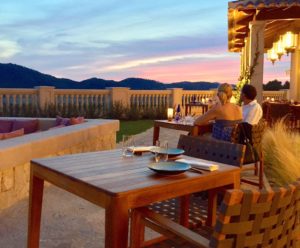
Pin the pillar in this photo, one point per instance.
(176, 96)
(295, 73)
(256, 48)
(46, 96)
(120, 95)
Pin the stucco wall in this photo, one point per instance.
(15, 154)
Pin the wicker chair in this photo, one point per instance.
(213, 150)
(251, 136)
(200, 147)
(248, 218)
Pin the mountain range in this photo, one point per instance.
(16, 76)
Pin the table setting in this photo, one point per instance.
(166, 160)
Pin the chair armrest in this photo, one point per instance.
(207, 128)
(165, 225)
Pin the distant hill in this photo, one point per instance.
(16, 76)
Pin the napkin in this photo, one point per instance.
(141, 148)
(199, 164)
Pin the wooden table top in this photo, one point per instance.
(109, 172)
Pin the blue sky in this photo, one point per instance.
(165, 40)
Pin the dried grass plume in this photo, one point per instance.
(281, 149)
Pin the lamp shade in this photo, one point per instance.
(170, 114)
(272, 55)
(289, 42)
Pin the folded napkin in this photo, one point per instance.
(199, 164)
(141, 148)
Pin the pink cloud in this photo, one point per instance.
(226, 70)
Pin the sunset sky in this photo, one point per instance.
(165, 40)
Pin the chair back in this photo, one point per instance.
(295, 118)
(250, 218)
(214, 150)
(277, 111)
(253, 134)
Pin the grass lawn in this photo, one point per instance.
(133, 127)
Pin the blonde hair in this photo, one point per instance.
(224, 93)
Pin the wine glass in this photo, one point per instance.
(161, 151)
(127, 146)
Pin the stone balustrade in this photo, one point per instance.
(103, 99)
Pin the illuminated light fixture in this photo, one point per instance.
(289, 42)
(170, 113)
(279, 48)
(272, 55)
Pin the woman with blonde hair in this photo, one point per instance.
(225, 114)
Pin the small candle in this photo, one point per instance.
(170, 114)
(268, 98)
(272, 99)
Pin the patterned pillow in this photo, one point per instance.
(30, 126)
(78, 120)
(12, 134)
(6, 126)
(62, 121)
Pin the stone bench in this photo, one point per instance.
(16, 153)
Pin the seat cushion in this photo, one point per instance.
(30, 126)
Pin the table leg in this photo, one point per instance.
(35, 210)
(212, 207)
(155, 134)
(184, 209)
(116, 224)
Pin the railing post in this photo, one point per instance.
(120, 95)
(45, 96)
(176, 96)
(286, 94)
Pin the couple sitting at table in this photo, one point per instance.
(226, 114)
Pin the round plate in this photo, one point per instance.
(170, 151)
(171, 167)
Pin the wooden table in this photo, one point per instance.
(193, 130)
(188, 107)
(116, 184)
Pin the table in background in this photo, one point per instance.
(193, 130)
(118, 184)
(188, 107)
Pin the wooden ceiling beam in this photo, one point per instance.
(279, 13)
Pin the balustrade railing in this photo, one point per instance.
(149, 98)
(20, 99)
(65, 100)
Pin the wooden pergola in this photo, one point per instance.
(253, 27)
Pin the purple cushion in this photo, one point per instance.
(30, 126)
(62, 121)
(6, 126)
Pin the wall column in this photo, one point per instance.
(256, 48)
(46, 96)
(176, 96)
(295, 73)
(120, 95)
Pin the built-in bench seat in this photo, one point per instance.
(16, 153)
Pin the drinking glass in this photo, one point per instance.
(127, 146)
(161, 151)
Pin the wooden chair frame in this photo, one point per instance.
(248, 218)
